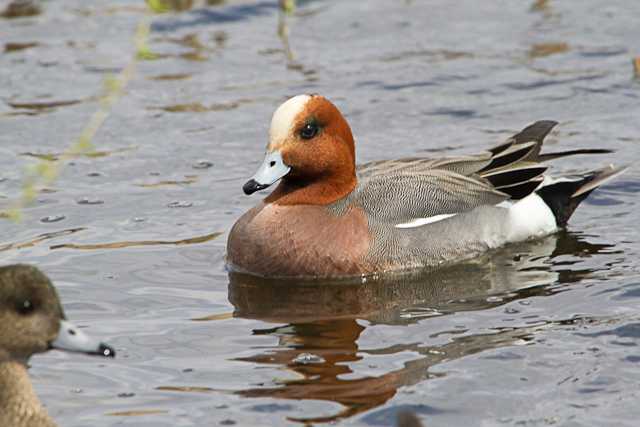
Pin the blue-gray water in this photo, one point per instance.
(542, 333)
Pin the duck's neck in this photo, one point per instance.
(316, 192)
(19, 405)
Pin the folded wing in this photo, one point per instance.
(406, 189)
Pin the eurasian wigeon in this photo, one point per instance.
(32, 321)
(329, 218)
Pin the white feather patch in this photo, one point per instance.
(423, 221)
(282, 120)
(530, 217)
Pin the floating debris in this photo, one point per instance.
(540, 50)
(87, 201)
(220, 37)
(194, 107)
(91, 154)
(540, 6)
(16, 46)
(218, 316)
(179, 76)
(189, 179)
(138, 413)
(127, 244)
(45, 105)
(164, 6)
(307, 359)
(636, 67)
(52, 218)
(40, 238)
(187, 389)
(129, 394)
(202, 164)
(180, 204)
(21, 8)
(197, 107)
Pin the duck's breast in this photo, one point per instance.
(296, 241)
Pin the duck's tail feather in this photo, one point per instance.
(563, 195)
(515, 166)
(552, 156)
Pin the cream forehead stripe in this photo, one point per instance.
(282, 120)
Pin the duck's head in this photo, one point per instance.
(32, 319)
(311, 150)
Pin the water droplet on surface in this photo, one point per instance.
(525, 302)
(180, 204)
(511, 310)
(307, 359)
(139, 219)
(87, 201)
(52, 218)
(202, 164)
(494, 299)
(77, 390)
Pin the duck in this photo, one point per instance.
(32, 321)
(329, 218)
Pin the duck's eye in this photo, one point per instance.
(309, 131)
(25, 307)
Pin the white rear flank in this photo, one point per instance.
(283, 119)
(423, 221)
(530, 217)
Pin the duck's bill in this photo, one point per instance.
(70, 338)
(272, 169)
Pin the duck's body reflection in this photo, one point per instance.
(322, 319)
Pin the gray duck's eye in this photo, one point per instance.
(309, 131)
(25, 307)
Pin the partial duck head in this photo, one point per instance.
(32, 319)
(311, 151)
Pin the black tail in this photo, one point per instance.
(564, 196)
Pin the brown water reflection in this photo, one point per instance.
(323, 319)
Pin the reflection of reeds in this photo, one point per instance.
(47, 170)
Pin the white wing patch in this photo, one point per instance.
(282, 120)
(423, 221)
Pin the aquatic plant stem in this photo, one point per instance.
(46, 171)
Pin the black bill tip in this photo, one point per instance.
(106, 351)
(252, 186)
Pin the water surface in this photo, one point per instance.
(540, 333)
